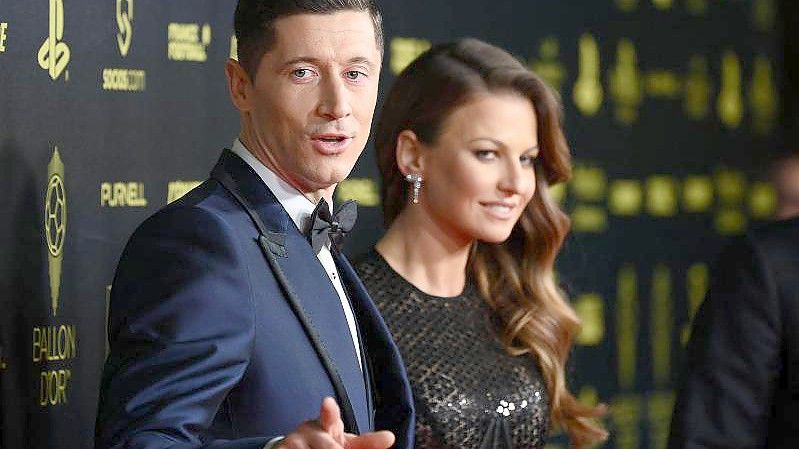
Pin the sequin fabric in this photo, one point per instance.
(469, 392)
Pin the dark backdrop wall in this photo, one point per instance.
(789, 11)
(109, 110)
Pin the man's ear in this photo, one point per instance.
(239, 85)
(410, 153)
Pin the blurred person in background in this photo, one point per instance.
(468, 143)
(785, 176)
(740, 388)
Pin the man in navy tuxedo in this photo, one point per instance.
(228, 328)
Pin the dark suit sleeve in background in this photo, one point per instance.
(181, 332)
(733, 358)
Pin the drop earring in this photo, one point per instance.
(417, 185)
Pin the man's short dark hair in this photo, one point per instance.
(254, 23)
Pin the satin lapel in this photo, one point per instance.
(393, 400)
(323, 309)
(357, 294)
(305, 284)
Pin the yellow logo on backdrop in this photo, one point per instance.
(696, 7)
(122, 194)
(548, 67)
(626, 197)
(626, 5)
(588, 92)
(234, 48)
(591, 309)
(124, 22)
(662, 4)
(3, 36)
(124, 79)
(697, 89)
(730, 105)
(188, 41)
(54, 53)
(362, 190)
(625, 83)
(764, 12)
(763, 96)
(176, 189)
(404, 50)
(55, 223)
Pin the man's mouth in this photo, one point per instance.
(330, 144)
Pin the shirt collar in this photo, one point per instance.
(297, 205)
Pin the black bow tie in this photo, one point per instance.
(325, 227)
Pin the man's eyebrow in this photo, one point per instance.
(317, 61)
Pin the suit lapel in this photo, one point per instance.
(356, 295)
(393, 407)
(305, 285)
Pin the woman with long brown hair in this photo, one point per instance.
(468, 143)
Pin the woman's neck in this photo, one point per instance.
(428, 255)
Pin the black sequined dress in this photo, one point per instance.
(469, 392)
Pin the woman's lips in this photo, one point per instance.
(500, 210)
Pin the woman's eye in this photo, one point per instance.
(528, 160)
(485, 155)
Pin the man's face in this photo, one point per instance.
(311, 103)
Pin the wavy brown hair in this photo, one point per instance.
(515, 277)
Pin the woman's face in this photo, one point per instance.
(479, 175)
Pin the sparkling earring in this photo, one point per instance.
(417, 185)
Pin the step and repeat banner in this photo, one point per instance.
(110, 110)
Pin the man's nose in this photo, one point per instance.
(334, 101)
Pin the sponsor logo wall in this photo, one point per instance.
(110, 111)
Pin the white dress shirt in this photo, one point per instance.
(299, 207)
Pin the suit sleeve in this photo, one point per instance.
(733, 358)
(181, 331)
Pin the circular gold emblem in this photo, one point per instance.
(55, 215)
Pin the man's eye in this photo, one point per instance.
(301, 73)
(353, 74)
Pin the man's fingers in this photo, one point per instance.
(309, 436)
(329, 414)
(382, 439)
(330, 420)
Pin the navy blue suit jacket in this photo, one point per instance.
(225, 330)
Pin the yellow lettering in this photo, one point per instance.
(186, 42)
(121, 194)
(177, 189)
(55, 343)
(126, 80)
(37, 344)
(3, 36)
(183, 32)
(105, 194)
(53, 387)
